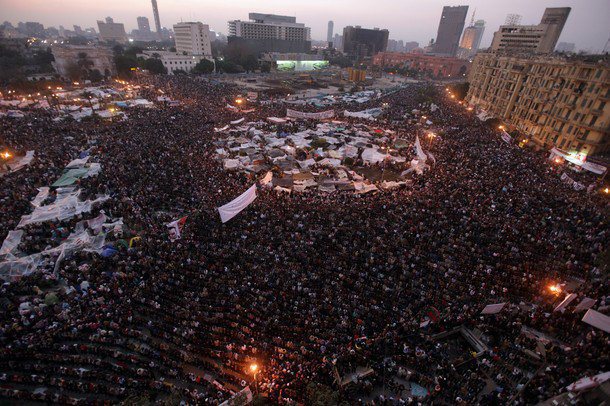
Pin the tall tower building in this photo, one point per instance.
(143, 25)
(329, 34)
(471, 40)
(450, 30)
(554, 18)
(193, 38)
(157, 19)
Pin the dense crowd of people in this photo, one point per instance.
(310, 286)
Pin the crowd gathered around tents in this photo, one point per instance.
(376, 297)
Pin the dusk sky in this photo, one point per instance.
(408, 20)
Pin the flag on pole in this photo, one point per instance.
(175, 228)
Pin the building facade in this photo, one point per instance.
(450, 30)
(558, 102)
(270, 33)
(436, 66)
(67, 56)
(540, 38)
(175, 61)
(109, 31)
(192, 38)
(360, 43)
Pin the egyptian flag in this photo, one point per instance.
(175, 228)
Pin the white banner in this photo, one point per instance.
(597, 319)
(565, 302)
(506, 137)
(421, 155)
(231, 209)
(11, 241)
(238, 121)
(493, 308)
(585, 304)
(314, 116)
(241, 398)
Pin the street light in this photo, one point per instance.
(254, 369)
(6, 155)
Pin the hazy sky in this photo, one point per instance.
(588, 25)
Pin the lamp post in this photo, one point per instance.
(254, 370)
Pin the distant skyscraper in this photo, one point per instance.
(143, 25)
(111, 31)
(450, 30)
(157, 19)
(329, 34)
(554, 18)
(360, 43)
(472, 36)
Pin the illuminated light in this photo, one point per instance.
(606, 190)
(253, 368)
(239, 101)
(469, 109)
(453, 96)
(557, 160)
(556, 289)
(76, 83)
(501, 127)
(6, 155)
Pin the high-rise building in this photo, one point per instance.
(270, 33)
(338, 42)
(157, 19)
(192, 38)
(471, 39)
(561, 102)
(360, 43)
(554, 19)
(143, 25)
(329, 33)
(540, 38)
(111, 31)
(450, 30)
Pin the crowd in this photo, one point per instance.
(308, 286)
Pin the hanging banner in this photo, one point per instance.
(506, 137)
(421, 155)
(232, 209)
(569, 299)
(313, 116)
(586, 303)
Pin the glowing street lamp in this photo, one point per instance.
(501, 127)
(607, 191)
(239, 101)
(254, 370)
(6, 155)
(555, 289)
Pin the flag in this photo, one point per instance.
(175, 228)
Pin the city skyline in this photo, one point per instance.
(408, 21)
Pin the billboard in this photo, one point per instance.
(300, 66)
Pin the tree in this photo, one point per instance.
(124, 63)
(95, 75)
(73, 71)
(250, 62)
(203, 66)
(154, 66)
